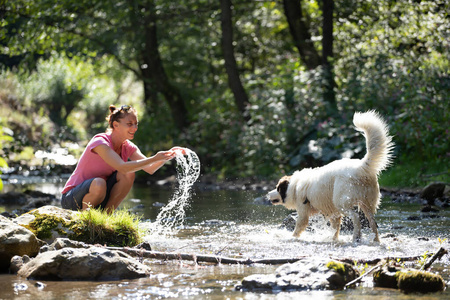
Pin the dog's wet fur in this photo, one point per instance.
(336, 188)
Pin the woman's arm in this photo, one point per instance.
(138, 160)
(153, 167)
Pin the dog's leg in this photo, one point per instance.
(336, 225)
(373, 225)
(301, 224)
(356, 226)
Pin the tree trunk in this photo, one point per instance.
(300, 33)
(155, 77)
(240, 96)
(327, 56)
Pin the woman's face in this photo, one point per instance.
(127, 126)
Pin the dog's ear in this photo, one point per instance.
(282, 188)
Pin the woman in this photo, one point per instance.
(105, 172)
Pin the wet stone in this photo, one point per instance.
(306, 274)
(408, 280)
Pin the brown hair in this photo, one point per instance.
(118, 113)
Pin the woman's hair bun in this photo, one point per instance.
(112, 108)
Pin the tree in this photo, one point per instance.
(234, 81)
(125, 30)
(300, 32)
(327, 56)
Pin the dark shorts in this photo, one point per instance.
(73, 198)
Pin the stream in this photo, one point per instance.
(230, 223)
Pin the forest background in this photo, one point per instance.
(256, 88)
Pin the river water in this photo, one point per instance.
(229, 223)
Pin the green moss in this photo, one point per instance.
(337, 266)
(420, 281)
(44, 225)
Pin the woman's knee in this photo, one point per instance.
(98, 187)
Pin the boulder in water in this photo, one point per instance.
(93, 263)
(305, 274)
(16, 240)
(408, 280)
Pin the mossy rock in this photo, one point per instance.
(386, 277)
(49, 223)
(411, 281)
(345, 271)
(408, 280)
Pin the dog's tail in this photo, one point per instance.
(378, 141)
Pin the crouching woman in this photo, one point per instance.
(106, 170)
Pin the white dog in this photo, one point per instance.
(336, 188)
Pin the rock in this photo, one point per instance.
(263, 200)
(289, 222)
(386, 277)
(17, 262)
(94, 263)
(144, 245)
(411, 281)
(432, 192)
(305, 274)
(28, 200)
(93, 226)
(48, 222)
(15, 240)
(13, 198)
(61, 243)
(408, 280)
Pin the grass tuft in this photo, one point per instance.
(96, 226)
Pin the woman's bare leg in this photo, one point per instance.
(120, 190)
(96, 194)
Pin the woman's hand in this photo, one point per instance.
(165, 155)
(179, 149)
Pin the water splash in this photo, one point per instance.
(173, 214)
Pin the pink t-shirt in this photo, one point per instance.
(91, 165)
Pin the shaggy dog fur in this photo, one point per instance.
(336, 188)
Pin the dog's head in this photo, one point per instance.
(278, 195)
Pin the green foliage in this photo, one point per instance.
(3, 138)
(389, 55)
(412, 171)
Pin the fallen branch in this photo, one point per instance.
(363, 275)
(438, 255)
(374, 261)
(204, 258)
(242, 261)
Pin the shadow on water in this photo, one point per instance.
(230, 223)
